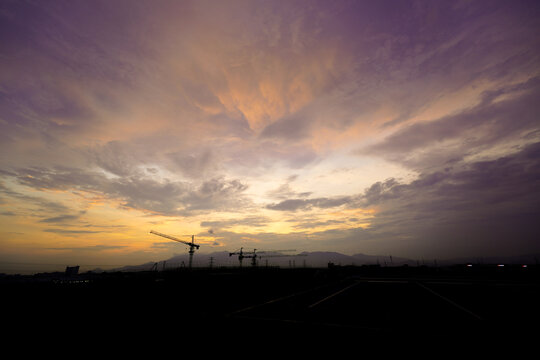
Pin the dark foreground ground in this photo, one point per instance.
(341, 307)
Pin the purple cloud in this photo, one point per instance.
(488, 124)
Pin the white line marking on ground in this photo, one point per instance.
(278, 299)
(334, 294)
(449, 301)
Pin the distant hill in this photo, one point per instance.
(304, 259)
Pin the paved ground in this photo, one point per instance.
(308, 307)
(367, 304)
(404, 306)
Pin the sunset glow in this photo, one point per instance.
(381, 127)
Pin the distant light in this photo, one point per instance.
(523, 265)
(469, 265)
(500, 265)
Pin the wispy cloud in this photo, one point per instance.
(71, 232)
(251, 221)
(63, 218)
(42, 203)
(94, 248)
(298, 204)
(505, 115)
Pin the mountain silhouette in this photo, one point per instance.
(317, 259)
(269, 258)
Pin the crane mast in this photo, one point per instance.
(240, 254)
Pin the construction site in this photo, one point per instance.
(253, 301)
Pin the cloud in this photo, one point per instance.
(306, 204)
(174, 108)
(507, 114)
(472, 208)
(164, 245)
(381, 191)
(114, 157)
(195, 165)
(457, 209)
(217, 194)
(251, 221)
(317, 224)
(42, 204)
(60, 218)
(71, 232)
(290, 205)
(92, 248)
(267, 154)
(285, 191)
(468, 188)
(291, 128)
(63, 218)
(165, 197)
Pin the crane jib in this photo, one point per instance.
(191, 244)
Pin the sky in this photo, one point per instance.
(404, 128)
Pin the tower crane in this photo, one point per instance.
(240, 254)
(191, 244)
(249, 254)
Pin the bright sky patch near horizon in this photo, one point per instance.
(408, 128)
